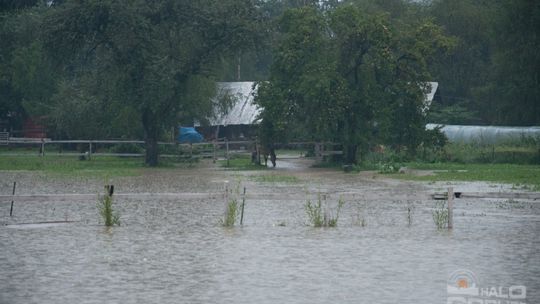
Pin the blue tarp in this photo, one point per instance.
(189, 135)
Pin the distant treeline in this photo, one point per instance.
(134, 69)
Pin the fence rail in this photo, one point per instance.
(4, 138)
(347, 195)
(217, 149)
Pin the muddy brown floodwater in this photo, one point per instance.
(386, 248)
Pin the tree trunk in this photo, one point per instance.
(151, 135)
(151, 157)
(350, 154)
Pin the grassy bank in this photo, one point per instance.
(521, 176)
(106, 166)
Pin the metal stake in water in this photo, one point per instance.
(243, 203)
(13, 194)
(450, 208)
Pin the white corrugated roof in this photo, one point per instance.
(244, 111)
(429, 96)
(433, 90)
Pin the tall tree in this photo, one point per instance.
(146, 54)
(351, 77)
(467, 67)
(511, 94)
(26, 75)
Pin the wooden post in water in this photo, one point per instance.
(243, 203)
(227, 150)
(12, 200)
(109, 189)
(450, 208)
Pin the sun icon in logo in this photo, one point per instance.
(462, 281)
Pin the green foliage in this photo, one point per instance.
(456, 114)
(345, 71)
(156, 58)
(231, 214)
(127, 148)
(435, 139)
(492, 71)
(386, 168)
(97, 166)
(110, 218)
(480, 153)
(320, 216)
(272, 178)
(440, 215)
(362, 83)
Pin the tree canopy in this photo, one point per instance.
(349, 77)
(351, 71)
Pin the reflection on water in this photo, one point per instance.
(173, 251)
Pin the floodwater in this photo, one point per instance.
(386, 248)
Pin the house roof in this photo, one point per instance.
(430, 95)
(245, 112)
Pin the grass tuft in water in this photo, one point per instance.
(106, 211)
(440, 215)
(410, 211)
(318, 217)
(231, 215)
(275, 178)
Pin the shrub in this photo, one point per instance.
(322, 218)
(106, 211)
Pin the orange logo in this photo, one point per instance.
(462, 283)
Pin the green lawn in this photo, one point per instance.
(521, 176)
(71, 165)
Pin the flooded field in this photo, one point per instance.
(385, 249)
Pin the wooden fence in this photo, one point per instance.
(218, 149)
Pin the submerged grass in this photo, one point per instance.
(110, 217)
(320, 216)
(524, 176)
(231, 215)
(440, 215)
(275, 178)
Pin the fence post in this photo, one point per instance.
(227, 151)
(42, 147)
(226, 184)
(214, 152)
(243, 203)
(89, 150)
(109, 190)
(450, 208)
